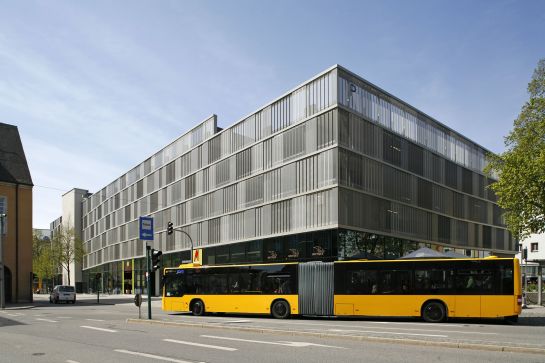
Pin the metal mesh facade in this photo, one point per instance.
(336, 154)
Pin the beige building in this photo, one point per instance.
(16, 202)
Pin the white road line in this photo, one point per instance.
(288, 344)
(243, 340)
(386, 332)
(158, 357)
(71, 361)
(94, 319)
(236, 321)
(48, 320)
(201, 345)
(101, 329)
(16, 314)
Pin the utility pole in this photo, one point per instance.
(2, 284)
(525, 276)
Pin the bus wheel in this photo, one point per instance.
(434, 312)
(280, 309)
(197, 308)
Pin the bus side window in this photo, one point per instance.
(277, 284)
(505, 287)
(254, 282)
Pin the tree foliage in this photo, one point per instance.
(521, 168)
(67, 248)
(43, 262)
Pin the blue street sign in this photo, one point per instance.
(146, 228)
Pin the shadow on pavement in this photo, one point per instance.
(8, 322)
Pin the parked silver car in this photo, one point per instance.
(63, 293)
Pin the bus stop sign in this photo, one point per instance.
(146, 228)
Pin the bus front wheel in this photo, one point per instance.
(197, 308)
(434, 312)
(280, 309)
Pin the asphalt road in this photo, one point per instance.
(87, 332)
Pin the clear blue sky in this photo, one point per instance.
(95, 87)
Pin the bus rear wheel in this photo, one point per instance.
(434, 312)
(197, 308)
(280, 309)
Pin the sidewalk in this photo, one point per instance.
(533, 311)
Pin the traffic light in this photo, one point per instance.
(155, 259)
(525, 254)
(170, 228)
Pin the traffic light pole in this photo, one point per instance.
(171, 229)
(148, 278)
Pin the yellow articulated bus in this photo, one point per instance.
(434, 289)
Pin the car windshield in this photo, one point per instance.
(66, 288)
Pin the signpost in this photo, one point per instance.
(146, 234)
(146, 228)
(138, 302)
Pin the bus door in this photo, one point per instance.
(316, 288)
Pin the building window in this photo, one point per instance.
(533, 247)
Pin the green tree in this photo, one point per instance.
(67, 248)
(521, 168)
(43, 261)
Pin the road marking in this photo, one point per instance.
(235, 321)
(16, 314)
(94, 319)
(48, 320)
(158, 357)
(305, 344)
(200, 345)
(288, 344)
(71, 361)
(101, 329)
(386, 332)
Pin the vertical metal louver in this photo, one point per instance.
(316, 288)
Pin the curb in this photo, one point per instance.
(459, 345)
(20, 307)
